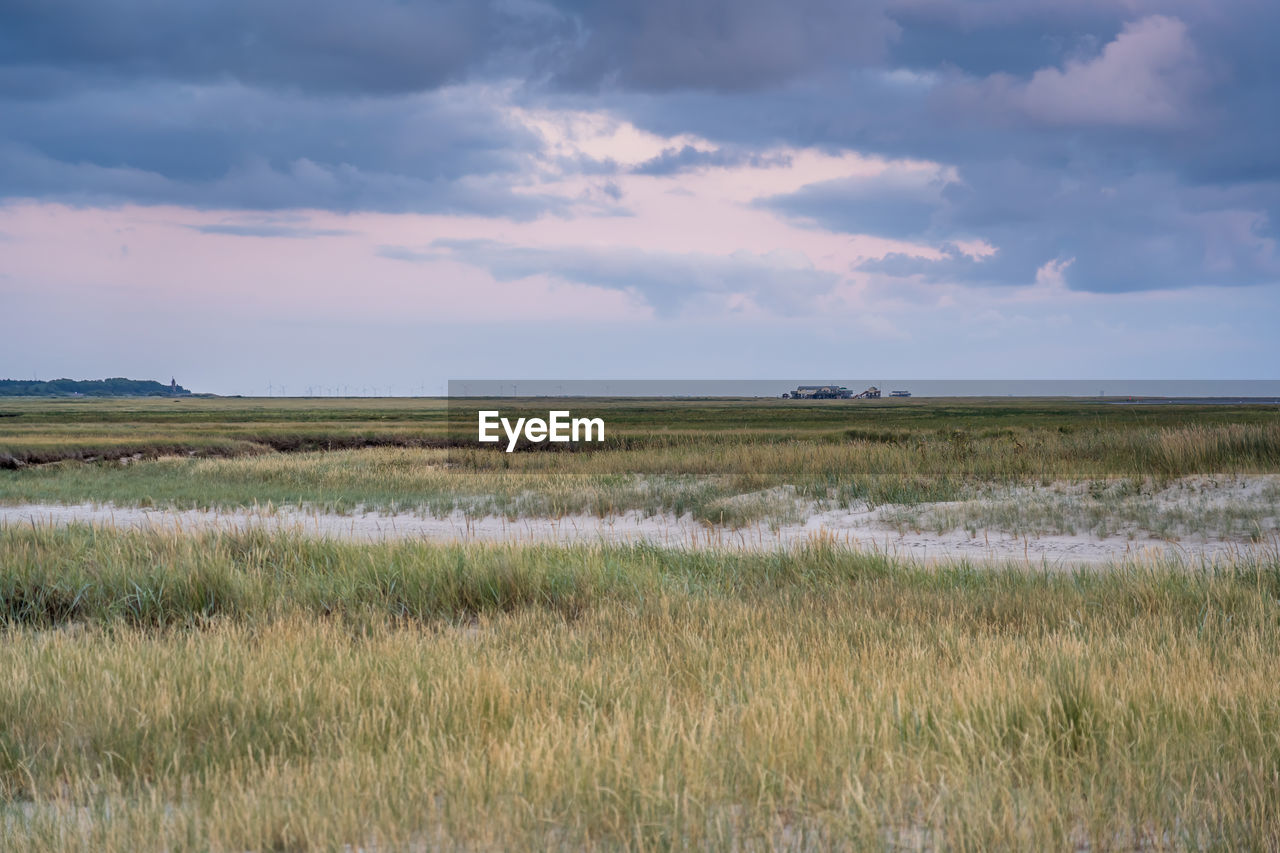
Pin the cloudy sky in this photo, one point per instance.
(389, 194)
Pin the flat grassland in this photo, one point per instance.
(270, 691)
(718, 461)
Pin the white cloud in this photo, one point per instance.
(1146, 76)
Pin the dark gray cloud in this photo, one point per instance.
(672, 161)
(930, 106)
(1146, 232)
(1138, 141)
(379, 46)
(256, 184)
(237, 147)
(269, 229)
(266, 105)
(1000, 36)
(900, 202)
(721, 45)
(198, 132)
(1136, 138)
(385, 46)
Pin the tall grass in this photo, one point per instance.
(1204, 448)
(246, 691)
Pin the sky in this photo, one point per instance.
(313, 196)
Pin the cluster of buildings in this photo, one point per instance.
(837, 392)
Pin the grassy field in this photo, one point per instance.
(236, 692)
(716, 460)
(268, 691)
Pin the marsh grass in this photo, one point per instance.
(736, 481)
(268, 691)
(1199, 508)
(36, 431)
(253, 691)
(724, 462)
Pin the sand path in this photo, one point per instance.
(858, 528)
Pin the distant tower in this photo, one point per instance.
(173, 386)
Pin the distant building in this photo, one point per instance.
(831, 392)
(822, 392)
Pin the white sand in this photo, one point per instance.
(856, 527)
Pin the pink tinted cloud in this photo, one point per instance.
(158, 258)
(314, 264)
(1147, 76)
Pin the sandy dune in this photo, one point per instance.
(858, 528)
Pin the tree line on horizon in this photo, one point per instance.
(117, 386)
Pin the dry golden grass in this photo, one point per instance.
(256, 692)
